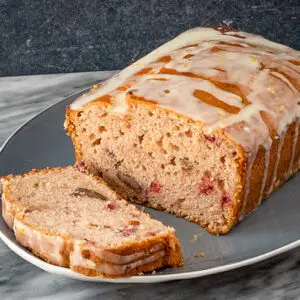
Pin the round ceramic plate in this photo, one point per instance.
(272, 229)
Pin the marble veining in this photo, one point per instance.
(23, 97)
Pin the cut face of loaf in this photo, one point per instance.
(156, 159)
(72, 219)
(206, 126)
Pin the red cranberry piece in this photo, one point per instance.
(111, 206)
(225, 200)
(210, 138)
(80, 166)
(155, 187)
(206, 186)
(213, 139)
(127, 231)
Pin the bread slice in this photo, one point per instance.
(73, 219)
(206, 126)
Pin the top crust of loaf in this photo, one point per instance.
(194, 76)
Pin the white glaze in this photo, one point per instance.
(122, 269)
(113, 264)
(195, 35)
(49, 246)
(154, 90)
(8, 212)
(279, 75)
(114, 258)
(76, 258)
(278, 156)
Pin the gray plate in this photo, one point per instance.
(272, 229)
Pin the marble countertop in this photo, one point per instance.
(23, 97)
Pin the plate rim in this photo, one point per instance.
(31, 258)
(38, 262)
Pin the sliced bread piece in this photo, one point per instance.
(73, 219)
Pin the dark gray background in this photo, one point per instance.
(39, 36)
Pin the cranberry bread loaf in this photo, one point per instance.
(73, 219)
(206, 126)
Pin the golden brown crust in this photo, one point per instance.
(282, 171)
(296, 162)
(271, 169)
(8, 212)
(286, 155)
(241, 163)
(71, 131)
(256, 178)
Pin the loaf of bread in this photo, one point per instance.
(73, 219)
(206, 126)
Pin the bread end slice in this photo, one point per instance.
(73, 219)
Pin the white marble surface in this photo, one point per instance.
(23, 97)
